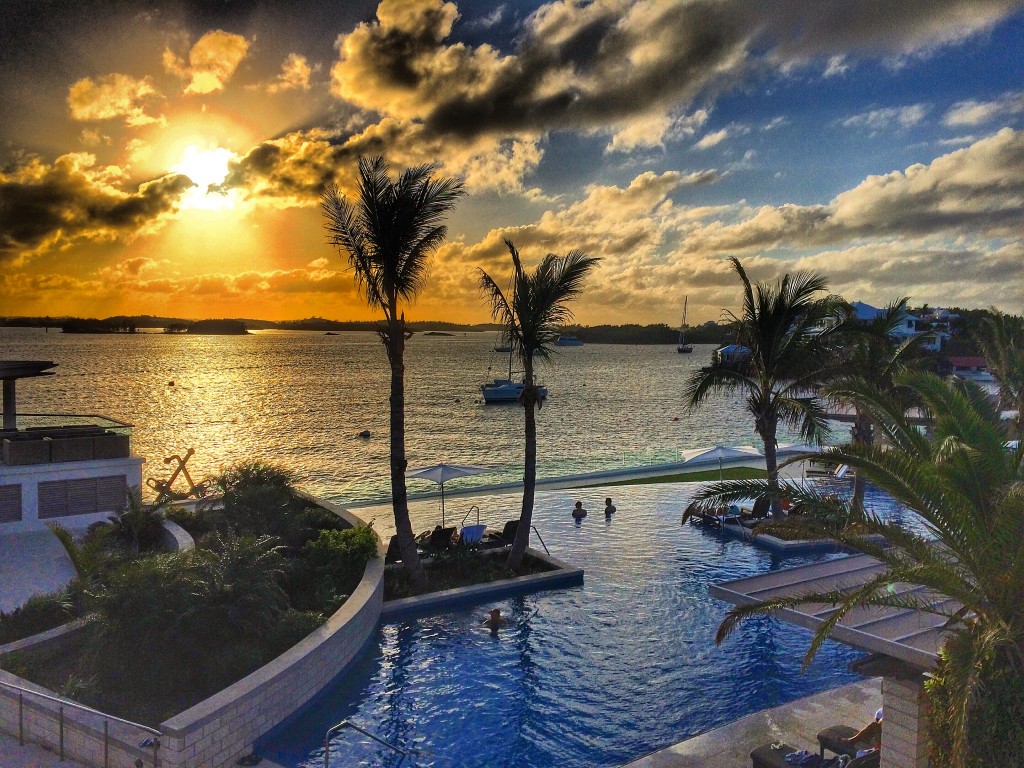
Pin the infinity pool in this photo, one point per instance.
(596, 675)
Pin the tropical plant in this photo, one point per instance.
(787, 326)
(871, 357)
(387, 233)
(967, 489)
(137, 523)
(1001, 339)
(532, 319)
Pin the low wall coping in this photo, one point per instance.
(565, 575)
(55, 636)
(176, 535)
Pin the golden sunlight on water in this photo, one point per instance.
(300, 400)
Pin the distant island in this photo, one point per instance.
(711, 332)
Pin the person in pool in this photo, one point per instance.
(609, 508)
(494, 621)
(579, 512)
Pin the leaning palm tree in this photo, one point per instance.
(532, 320)
(787, 326)
(871, 357)
(968, 490)
(387, 233)
(1002, 341)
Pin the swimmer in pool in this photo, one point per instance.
(494, 621)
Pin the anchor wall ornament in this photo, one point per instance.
(164, 488)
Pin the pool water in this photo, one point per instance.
(595, 675)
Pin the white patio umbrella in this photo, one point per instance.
(442, 473)
(719, 453)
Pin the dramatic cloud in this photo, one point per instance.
(52, 205)
(585, 66)
(977, 190)
(212, 61)
(112, 97)
(295, 73)
(981, 112)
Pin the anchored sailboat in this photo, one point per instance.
(683, 347)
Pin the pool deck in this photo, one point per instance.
(796, 723)
(727, 746)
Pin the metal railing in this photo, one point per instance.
(541, 540)
(347, 724)
(470, 512)
(107, 719)
(26, 420)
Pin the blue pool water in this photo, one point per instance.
(596, 675)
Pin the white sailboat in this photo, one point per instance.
(507, 390)
(683, 347)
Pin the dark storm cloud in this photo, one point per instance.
(591, 65)
(59, 203)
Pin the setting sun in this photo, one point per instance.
(206, 168)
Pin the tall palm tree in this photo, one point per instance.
(1002, 341)
(967, 489)
(870, 356)
(787, 326)
(387, 233)
(532, 320)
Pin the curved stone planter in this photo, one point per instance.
(224, 727)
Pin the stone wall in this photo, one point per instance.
(220, 730)
(904, 728)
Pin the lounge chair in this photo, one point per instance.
(834, 738)
(394, 553)
(506, 538)
(774, 756)
(440, 539)
(471, 535)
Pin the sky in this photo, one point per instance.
(167, 158)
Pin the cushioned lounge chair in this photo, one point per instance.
(440, 539)
(772, 756)
(506, 538)
(472, 535)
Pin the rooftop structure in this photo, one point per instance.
(71, 469)
(905, 642)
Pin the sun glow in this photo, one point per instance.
(207, 168)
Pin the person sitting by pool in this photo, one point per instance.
(870, 733)
(579, 512)
(609, 508)
(494, 621)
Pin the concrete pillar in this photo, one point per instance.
(904, 728)
(10, 410)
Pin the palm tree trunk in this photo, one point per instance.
(515, 557)
(768, 426)
(863, 435)
(395, 344)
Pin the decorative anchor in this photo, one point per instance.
(164, 489)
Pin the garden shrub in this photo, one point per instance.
(995, 723)
(38, 614)
(331, 566)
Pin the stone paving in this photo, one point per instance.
(796, 724)
(31, 564)
(29, 756)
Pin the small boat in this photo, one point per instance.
(568, 341)
(503, 348)
(506, 391)
(683, 347)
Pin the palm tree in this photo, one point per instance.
(387, 233)
(1002, 341)
(532, 321)
(966, 488)
(871, 357)
(787, 326)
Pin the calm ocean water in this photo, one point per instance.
(300, 399)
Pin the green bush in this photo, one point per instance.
(330, 567)
(38, 614)
(995, 723)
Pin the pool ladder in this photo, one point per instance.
(347, 724)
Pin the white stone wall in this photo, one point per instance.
(31, 475)
(904, 729)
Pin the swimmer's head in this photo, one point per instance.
(608, 500)
(579, 503)
(495, 612)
